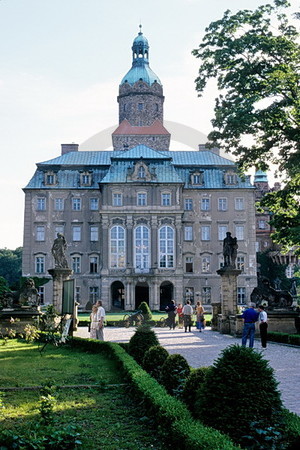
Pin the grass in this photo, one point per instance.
(107, 416)
(119, 316)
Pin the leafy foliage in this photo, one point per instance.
(141, 341)
(239, 388)
(174, 373)
(11, 266)
(154, 359)
(254, 57)
(146, 311)
(193, 384)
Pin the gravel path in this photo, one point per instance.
(201, 349)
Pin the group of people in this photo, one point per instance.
(185, 315)
(97, 319)
(251, 317)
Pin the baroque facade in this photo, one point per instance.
(142, 223)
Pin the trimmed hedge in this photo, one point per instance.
(174, 421)
(284, 338)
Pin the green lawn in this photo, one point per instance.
(107, 416)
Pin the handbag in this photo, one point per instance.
(89, 327)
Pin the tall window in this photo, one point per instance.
(262, 224)
(166, 247)
(206, 295)
(189, 294)
(205, 204)
(40, 264)
(188, 233)
(58, 204)
(93, 294)
(197, 179)
(241, 295)
(76, 264)
(189, 264)
(239, 203)
(141, 199)
(205, 266)
(240, 263)
(117, 199)
(76, 204)
(142, 247)
(40, 233)
(94, 204)
(41, 204)
(76, 233)
(50, 178)
(93, 264)
(117, 247)
(205, 233)
(77, 294)
(188, 204)
(59, 229)
(222, 204)
(239, 232)
(85, 179)
(166, 199)
(221, 261)
(41, 292)
(222, 230)
(94, 233)
(140, 106)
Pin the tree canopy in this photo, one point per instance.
(254, 55)
(10, 266)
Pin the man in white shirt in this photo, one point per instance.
(100, 319)
(187, 315)
(263, 325)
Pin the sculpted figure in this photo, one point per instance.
(29, 295)
(59, 252)
(230, 247)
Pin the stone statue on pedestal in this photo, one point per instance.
(59, 252)
(230, 247)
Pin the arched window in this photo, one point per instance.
(117, 247)
(166, 247)
(142, 248)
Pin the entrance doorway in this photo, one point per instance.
(141, 294)
(117, 295)
(166, 294)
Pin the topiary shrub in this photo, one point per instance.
(174, 373)
(239, 390)
(141, 341)
(193, 384)
(146, 311)
(154, 359)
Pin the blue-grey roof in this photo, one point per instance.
(140, 72)
(140, 152)
(89, 158)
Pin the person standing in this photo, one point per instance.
(187, 315)
(250, 316)
(93, 322)
(100, 320)
(171, 310)
(263, 325)
(180, 315)
(199, 316)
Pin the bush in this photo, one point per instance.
(238, 390)
(193, 383)
(146, 311)
(174, 373)
(154, 359)
(141, 341)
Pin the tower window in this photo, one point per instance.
(140, 106)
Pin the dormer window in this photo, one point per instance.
(85, 179)
(141, 172)
(50, 178)
(230, 178)
(197, 178)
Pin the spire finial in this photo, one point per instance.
(140, 27)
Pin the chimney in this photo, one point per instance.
(67, 148)
(203, 148)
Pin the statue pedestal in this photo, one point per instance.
(59, 275)
(229, 298)
(16, 319)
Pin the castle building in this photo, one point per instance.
(142, 222)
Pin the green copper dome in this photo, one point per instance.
(140, 69)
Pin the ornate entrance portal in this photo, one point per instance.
(166, 294)
(117, 295)
(141, 293)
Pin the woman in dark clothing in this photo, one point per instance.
(171, 310)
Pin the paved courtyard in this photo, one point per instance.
(201, 349)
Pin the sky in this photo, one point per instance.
(61, 62)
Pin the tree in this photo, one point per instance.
(10, 266)
(255, 58)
